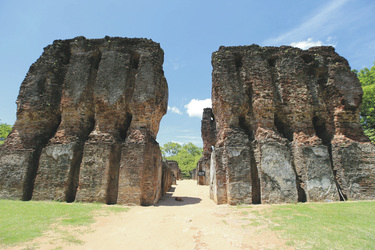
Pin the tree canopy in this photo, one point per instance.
(186, 155)
(5, 129)
(367, 78)
(170, 149)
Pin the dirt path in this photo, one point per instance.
(194, 223)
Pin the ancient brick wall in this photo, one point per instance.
(173, 165)
(193, 174)
(167, 178)
(288, 130)
(208, 133)
(87, 117)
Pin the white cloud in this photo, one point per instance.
(306, 44)
(188, 137)
(184, 130)
(195, 107)
(174, 109)
(322, 23)
(174, 64)
(311, 43)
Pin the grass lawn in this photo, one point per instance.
(341, 225)
(22, 221)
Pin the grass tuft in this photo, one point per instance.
(343, 225)
(22, 221)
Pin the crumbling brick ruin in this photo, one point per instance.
(208, 133)
(167, 178)
(87, 118)
(193, 174)
(173, 165)
(288, 130)
(284, 127)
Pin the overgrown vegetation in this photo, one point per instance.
(342, 225)
(5, 129)
(22, 221)
(367, 78)
(186, 155)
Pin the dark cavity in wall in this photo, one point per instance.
(125, 126)
(326, 137)
(73, 178)
(134, 60)
(307, 58)
(300, 191)
(238, 61)
(255, 181)
(113, 176)
(283, 127)
(321, 131)
(41, 142)
(28, 185)
(114, 161)
(272, 61)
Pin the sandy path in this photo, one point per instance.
(194, 223)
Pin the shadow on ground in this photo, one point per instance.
(169, 200)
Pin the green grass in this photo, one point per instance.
(343, 225)
(22, 221)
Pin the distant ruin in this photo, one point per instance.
(208, 131)
(167, 178)
(176, 171)
(88, 113)
(287, 127)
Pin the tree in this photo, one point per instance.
(192, 149)
(186, 155)
(170, 149)
(367, 78)
(4, 132)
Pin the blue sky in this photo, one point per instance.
(189, 31)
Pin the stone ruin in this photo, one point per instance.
(167, 178)
(176, 171)
(208, 132)
(88, 113)
(287, 127)
(193, 174)
(284, 127)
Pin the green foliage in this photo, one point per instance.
(170, 148)
(370, 133)
(4, 131)
(186, 155)
(367, 78)
(368, 111)
(22, 221)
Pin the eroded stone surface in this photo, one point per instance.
(287, 123)
(173, 165)
(167, 178)
(208, 132)
(87, 118)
